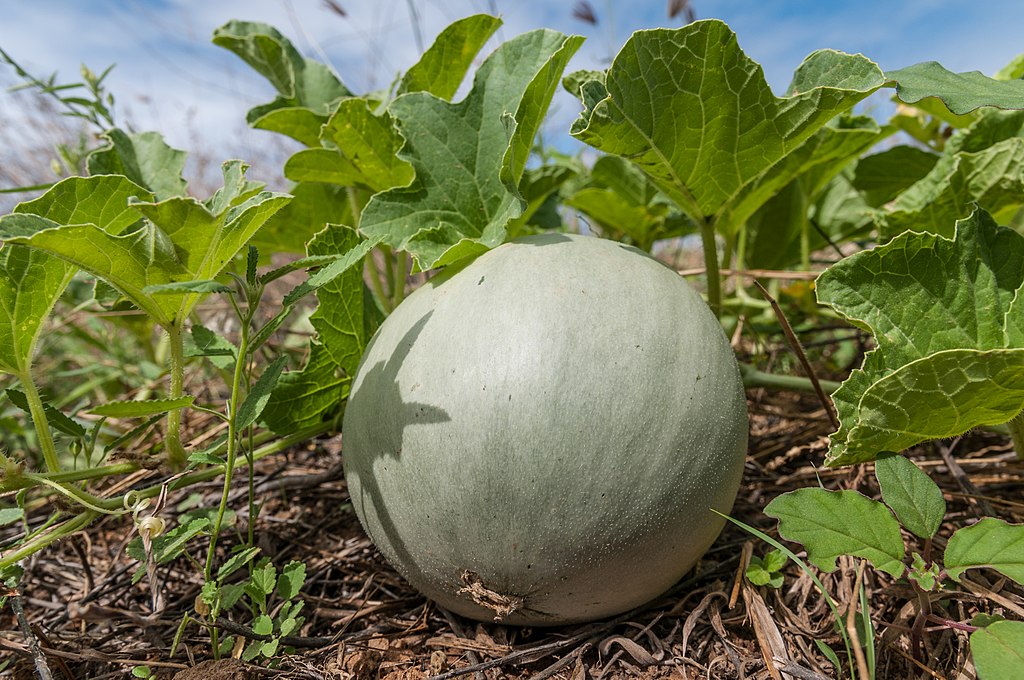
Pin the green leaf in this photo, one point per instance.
(230, 595)
(287, 626)
(364, 151)
(187, 287)
(141, 409)
(834, 523)
(990, 543)
(301, 83)
(331, 271)
(765, 571)
(103, 200)
(236, 562)
(779, 233)
(144, 158)
(206, 343)
(167, 547)
(264, 578)
(141, 672)
(443, 66)
(259, 395)
(205, 458)
(469, 156)
(252, 651)
(56, 419)
(269, 648)
(829, 654)
(911, 494)
(625, 205)
(940, 367)
(882, 176)
(697, 116)
(263, 625)
(960, 92)
(313, 205)
(344, 321)
(299, 123)
(31, 281)
(992, 178)
(10, 515)
(998, 651)
(293, 576)
(181, 241)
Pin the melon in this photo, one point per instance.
(542, 436)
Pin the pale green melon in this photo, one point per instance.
(541, 437)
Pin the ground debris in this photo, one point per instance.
(92, 621)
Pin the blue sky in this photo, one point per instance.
(168, 76)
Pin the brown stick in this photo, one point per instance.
(794, 343)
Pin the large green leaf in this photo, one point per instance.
(943, 315)
(180, 241)
(307, 89)
(992, 178)
(960, 92)
(344, 320)
(469, 156)
(779, 231)
(31, 281)
(443, 66)
(696, 114)
(30, 284)
(834, 523)
(990, 543)
(998, 651)
(144, 158)
(363, 151)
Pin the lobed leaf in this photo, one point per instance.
(960, 92)
(363, 152)
(443, 66)
(470, 156)
(144, 158)
(992, 178)
(911, 494)
(292, 578)
(834, 523)
(990, 543)
(942, 312)
(697, 116)
(307, 89)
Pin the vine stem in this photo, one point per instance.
(176, 456)
(39, 421)
(232, 452)
(755, 378)
(1016, 428)
(714, 279)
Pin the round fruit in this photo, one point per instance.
(541, 437)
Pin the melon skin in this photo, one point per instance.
(540, 438)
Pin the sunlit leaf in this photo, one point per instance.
(834, 523)
(940, 367)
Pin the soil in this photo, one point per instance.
(363, 621)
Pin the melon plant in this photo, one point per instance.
(544, 435)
